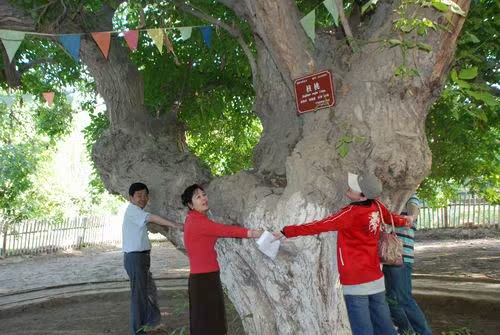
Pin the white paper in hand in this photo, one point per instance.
(268, 244)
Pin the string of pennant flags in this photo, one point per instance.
(12, 39)
(9, 100)
(308, 22)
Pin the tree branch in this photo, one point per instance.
(233, 31)
(236, 5)
(346, 26)
(447, 47)
(14, 18)
(44, 10)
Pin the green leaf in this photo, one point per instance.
(421, 31)
(443, 5)
(428, 23)
(454, 75)
(424, 46)
(473, 38)
(393, 42)
(343, 149)
(368, 6)
(463, 84)
(486, 97)
(346, 139)
(468, 74)
(407, 28)
(440, 6)
(478, 114)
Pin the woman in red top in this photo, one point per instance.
(358, 232)
(206, 299)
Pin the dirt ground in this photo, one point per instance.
(83, 266)
(107, 312)
(459, 258)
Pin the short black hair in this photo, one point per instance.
(187, 195)
(137, 187)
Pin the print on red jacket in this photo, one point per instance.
(358, 226)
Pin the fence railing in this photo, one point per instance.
(467, 211)
(40, 236)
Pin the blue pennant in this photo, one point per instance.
(207, 35)
(71, 43)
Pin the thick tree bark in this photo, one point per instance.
(299, 175)
(298, 293)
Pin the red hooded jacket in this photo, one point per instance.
(358, 226)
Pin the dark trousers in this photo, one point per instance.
(144, 309)
(207, 315)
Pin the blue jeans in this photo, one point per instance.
(405, 312)
(369, 314)
(144, 309)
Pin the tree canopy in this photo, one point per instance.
(211, 91)
(463, 126)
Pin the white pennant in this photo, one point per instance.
(7, 99)
(185, 32)
(11, 41)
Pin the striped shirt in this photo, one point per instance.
(407, 235)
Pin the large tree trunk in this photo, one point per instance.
(299, 175)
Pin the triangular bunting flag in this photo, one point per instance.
(207, 35)
(185, 32)
(71, 42)
(27, 98)
(308, 22)
(11, 41)
(69, 97)
(169, 44)
(157, 37)
(170, 48)
(7, 99)
(132, 37)
(331, 6)
(49, 97)
(103, 40)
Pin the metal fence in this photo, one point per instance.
(467, 211)
(41, 236)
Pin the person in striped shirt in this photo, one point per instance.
(405, 312)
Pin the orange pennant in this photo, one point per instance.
(103, 40)
(170, 48)
(132, 37)
(49, 97)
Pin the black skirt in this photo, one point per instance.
(207, 315)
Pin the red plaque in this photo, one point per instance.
(314, 91)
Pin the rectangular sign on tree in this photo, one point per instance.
(314, 91)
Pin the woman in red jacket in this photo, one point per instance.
(206, 299)
(358, 227)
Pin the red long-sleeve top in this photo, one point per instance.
(200, 236)
(358, 227)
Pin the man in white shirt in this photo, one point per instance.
(144, 312)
